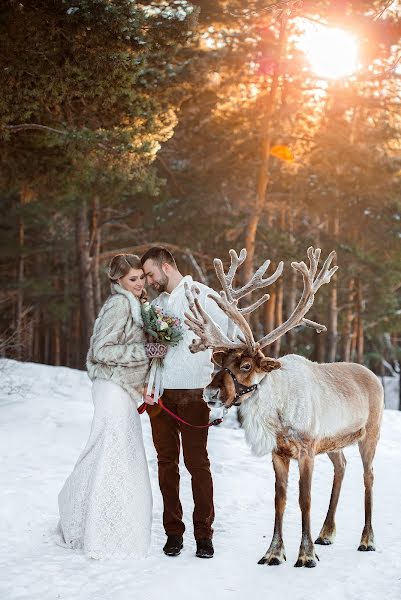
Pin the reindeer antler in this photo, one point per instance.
(234, 313)
(201, 323)
(210, 334)
(311, 286)
(255, 283)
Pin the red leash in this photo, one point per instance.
(142, 408)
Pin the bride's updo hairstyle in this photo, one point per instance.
(120, 265)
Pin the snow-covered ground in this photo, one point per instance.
(45, 415)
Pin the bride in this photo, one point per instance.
(106, 503)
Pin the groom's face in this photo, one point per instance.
(155, 275)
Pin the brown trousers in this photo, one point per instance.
(190, 406)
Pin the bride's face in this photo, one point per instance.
(133, 281)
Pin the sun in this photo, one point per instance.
(332, 53)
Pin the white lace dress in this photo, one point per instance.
(106, 503)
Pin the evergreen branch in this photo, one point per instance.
(276, 6)
(142, 249)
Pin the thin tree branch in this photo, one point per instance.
(24, 126)
(383, 10)
(197, 267)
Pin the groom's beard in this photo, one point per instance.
(161, 285)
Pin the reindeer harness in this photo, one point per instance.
(240, 389)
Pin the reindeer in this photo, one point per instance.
(292, 407)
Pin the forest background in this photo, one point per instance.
(201, 127)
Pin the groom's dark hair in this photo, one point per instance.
(159, 255)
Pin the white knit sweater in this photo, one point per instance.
(181, 368)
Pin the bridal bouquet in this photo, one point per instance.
(163, 330)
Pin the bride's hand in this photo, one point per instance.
(148, 399)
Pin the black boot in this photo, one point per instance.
(173, 546)
(204, 548)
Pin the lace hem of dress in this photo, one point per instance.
(77, 547)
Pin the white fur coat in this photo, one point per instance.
(117, 350)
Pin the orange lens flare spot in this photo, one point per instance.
(282, 153)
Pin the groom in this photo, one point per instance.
(185, 375)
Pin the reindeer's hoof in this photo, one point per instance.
(323, 541)
(367, 548)
(307, 561)
(310, 563)
(272, 560)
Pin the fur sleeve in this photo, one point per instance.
(109, 345)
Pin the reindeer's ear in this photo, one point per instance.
(269, 364)
(218, 356)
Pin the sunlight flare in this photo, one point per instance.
(332, 53)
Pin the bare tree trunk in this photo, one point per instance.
(67, 329)
(77, 359)
(67, 352)
(291, 303)
(278, 315)
(95, 251)
(267, 135)
(20, 282)
(317, 225)
(36, 336)
(320, 347)
(360, 328)
(291, 295)
(57, 346)
(29, 341)
(348, 319)
(87, 303)
(333, 308)
(46, 347)
(280, 287)
(354, 339)
(269, 312)
(41, 335)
